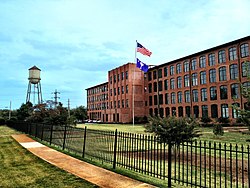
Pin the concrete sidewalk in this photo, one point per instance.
(91, 173)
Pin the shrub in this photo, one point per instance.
(205, 119)
(2, 121)
(223, 120)
(218, 130)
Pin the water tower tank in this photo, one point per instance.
(34, 75)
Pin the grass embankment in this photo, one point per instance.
(207, 132)
(20, 168)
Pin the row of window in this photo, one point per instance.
(118, 77)
(173, 111)
(202, 77)
(171, 98)
(118, 90)
(97, 90)
(232, 53)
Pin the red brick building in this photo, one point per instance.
(202, 84)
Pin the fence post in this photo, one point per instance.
(64, 136)
(42, 132)
(51, 133)
(84, 142)
(115, 146)
(169, 163)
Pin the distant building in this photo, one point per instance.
(204, 84)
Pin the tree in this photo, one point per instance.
(80, 113)
(244, 114)
(24, 111)
(173, 130)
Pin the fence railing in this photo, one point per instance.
(199, 164)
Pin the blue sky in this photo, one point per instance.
(76, 42)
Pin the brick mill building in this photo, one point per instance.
(202, 84)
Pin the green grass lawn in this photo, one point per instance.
(207, 133)
(20, 168)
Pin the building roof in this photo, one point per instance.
(34, 68)
(203, 52)
(102, 84)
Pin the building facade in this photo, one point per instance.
(204, 84)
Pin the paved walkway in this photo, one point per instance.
(91, 173)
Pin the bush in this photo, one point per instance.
(218, 130)
(206, 119)
(223, 120)
(2, 121)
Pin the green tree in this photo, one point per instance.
(80, 113)
(24, 111)
(173, 130)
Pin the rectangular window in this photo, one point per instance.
(212, 75)
(244, 50)
(154, 75)
(195, 95)
(179, 97)
(222, 56)
(159, 73)
(223, 92)
(165, 71)
(126, 88)
(193, 64)
(211, 59)
(166, 84)
(213, 93)
(126, 75)
(224, 111)
(222, 73)
(172, 98)
(203, 94)
(155, 100)
(204, 109)
(186, 66)
(150, 101)
(150, 88)
(172, 70)
(232, 53)
(179, 82)
(187, 96)
(202, 61)
(194, 79)
(172, 84)
(166, 98)
(186, 81)
(149, 76)
(160, 85)
(155, 86)
(178, 68)
(203, 77)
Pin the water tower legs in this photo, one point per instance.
(37, 93)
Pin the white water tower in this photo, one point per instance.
(34, 80)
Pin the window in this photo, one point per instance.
(234, 72)
(172, 98)
(223, 92)
(195, 95)
(194, 79)
(212, 75)
(235, 112)
(188, 111)
(166, 98)
(172, 70)
(122, 76)
(150, 101)
(159, 73)
(173, 111)
(155, 86)
(203, 77)
(110, 79)
(123, 89)
(166, 84)
(214, 111)
(224, 110)
(149, 76)
(246, 85)
(232, 54)
(244, 50)
(150, 88)
(118, 90)
(186, 66)
(211, 59)
(203, 94)
(167, 110)
(178, 68)
(179, 82)
(150, 111)
(222, 56)
(155, 100)
(180, 111)
(126, 88)
(246, 69)
(187, 96)
(160, 85)
(160, 99)
(165, 71)
(118, 105)
(122, 103)
(154, 75)
(127, 103)
(196, 111)
(213, 93)
(118, 77)
(204, 110)
(202, 61)
(126, 75)
(193, 64)
(235, 92)
(172, 83)
(186, 80)
(114, 91)
(222, 74)
(179, 97)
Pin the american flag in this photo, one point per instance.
(143, 50)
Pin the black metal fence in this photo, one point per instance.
(199, 164)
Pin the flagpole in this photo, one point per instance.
(133, 101)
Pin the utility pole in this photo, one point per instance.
(10, 111)
(56, 97)
(68, 108)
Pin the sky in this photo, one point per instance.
(76, 42)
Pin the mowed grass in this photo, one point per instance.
(207, 132)
(20, 168)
